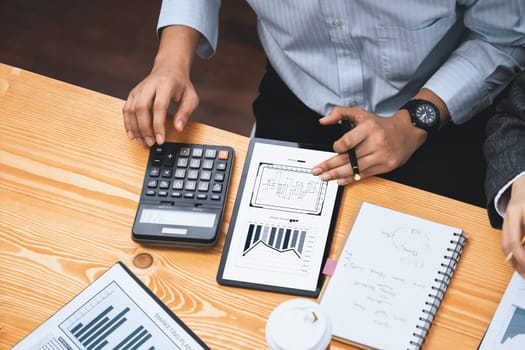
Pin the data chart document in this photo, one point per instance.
(507, 328)
(282, 222)
(116, 311)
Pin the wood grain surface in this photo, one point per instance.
(69, 186)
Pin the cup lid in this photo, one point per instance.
(298, 324)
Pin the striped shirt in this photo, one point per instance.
(377, 54)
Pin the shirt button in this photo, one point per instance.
(337, 23)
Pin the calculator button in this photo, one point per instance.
(215, 197)
(210, 153)
(221, 166)
(152, 184)
(164, 184)
(169, 160)
(158, 149)
(203, 186)
(223, 154)
(216, 188)
(176, 194)
(157, 161)
(163, 193)
(154, 172)
(193, 175)
(182, 162)
(189, 195)
(167, 172)
(180, 173)
(184, 151)
(219, 177)
(207, 164)
(197, 152)
(205, 175)
(150, 193)
(190, 185)
(178, 184)
(195, 163)
(202, 196)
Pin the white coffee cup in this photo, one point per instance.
(298, 324)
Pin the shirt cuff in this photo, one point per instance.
(461, 86)
(502, 197)
(201, 15)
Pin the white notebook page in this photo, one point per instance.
(384, 276)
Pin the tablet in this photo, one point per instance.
(282, 222)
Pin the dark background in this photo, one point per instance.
(109, 46)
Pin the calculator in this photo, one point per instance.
(183, 195)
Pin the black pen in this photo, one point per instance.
(347, 126)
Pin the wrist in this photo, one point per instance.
(177, 48)
(404, 124)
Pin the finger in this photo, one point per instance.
(512, 233)
(128, 115)
(143, 105)
(338, 112)
(130, 119)
(188, 104)
(330, 163)
(343, 172)
(351, 139)
(160, 110)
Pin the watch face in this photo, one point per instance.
(426, 114)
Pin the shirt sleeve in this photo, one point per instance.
(493, 50)
(502, 197)
(201, 15)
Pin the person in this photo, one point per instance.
(504, 150)
(359, 60)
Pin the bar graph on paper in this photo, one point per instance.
(288, 188)
(277, 248)
(111, 320)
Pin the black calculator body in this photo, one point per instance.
(183, 195)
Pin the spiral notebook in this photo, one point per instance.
(391, 276)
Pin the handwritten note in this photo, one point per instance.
(386, 271)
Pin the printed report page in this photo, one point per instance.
(114, 312)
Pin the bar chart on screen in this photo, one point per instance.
(118, 312)
(109, 321)
(272, 247)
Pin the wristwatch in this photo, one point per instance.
(423, 114)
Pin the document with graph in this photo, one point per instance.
(507, 328)
(116, 311)
(282, 222)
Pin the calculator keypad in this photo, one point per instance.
(188, 172)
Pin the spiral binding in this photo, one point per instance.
(438, 290)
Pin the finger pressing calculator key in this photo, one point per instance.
(183, 194)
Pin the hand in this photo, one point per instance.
(381, 144)
(147, 105)
(514, 226)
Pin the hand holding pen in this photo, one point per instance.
(374, 145)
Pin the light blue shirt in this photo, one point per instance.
(377, 54)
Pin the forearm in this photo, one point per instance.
(491, 53)
(177, 48)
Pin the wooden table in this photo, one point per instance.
(70, 182)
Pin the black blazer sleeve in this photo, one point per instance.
(504, 148)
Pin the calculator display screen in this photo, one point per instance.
(177, 217)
